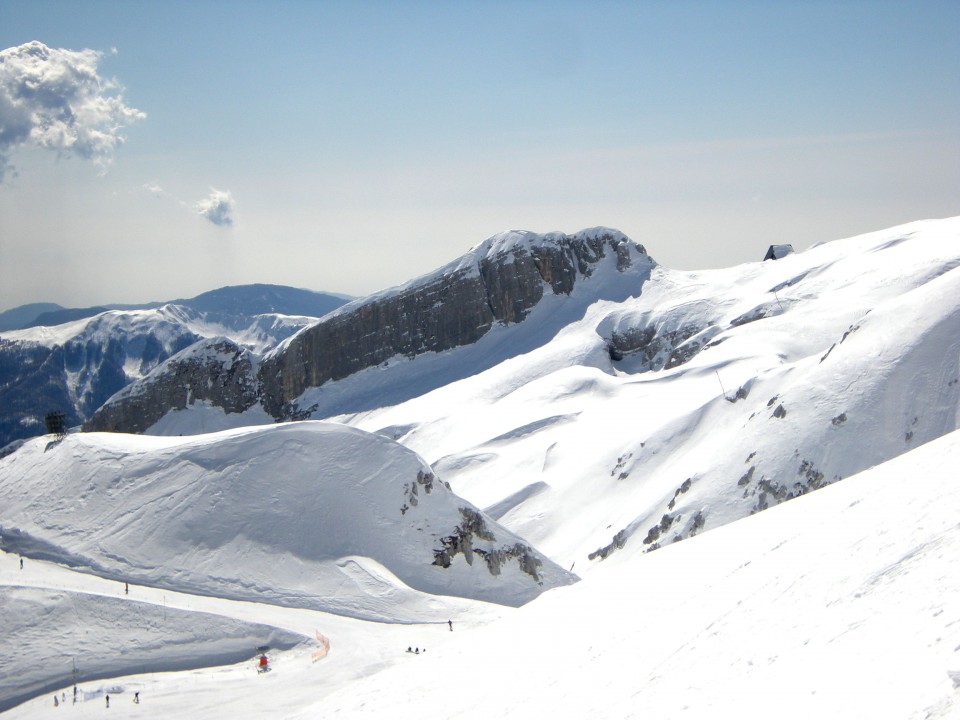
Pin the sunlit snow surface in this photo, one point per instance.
(841, 604)
(274, 513)
(840, 362)
(811, 368)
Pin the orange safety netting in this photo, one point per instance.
(324, 647)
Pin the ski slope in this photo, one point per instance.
(829, 378)
(844, 603)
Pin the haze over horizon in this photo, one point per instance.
(349, 147)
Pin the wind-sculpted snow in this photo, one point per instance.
(305, 515)
(711, 396)
(55, 638)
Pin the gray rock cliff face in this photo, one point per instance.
(216, 370)
(500, 281)
(497, 284)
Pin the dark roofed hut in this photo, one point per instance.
(775, 252)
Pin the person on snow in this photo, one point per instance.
(56, 701)
(136, 697)
(450, 623)
(108, 701)
(263, 664)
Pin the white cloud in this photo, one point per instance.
(55, 99)
(218, 207)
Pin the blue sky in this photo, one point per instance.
(355, 145)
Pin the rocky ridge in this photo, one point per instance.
(497, 284)
(75, 367)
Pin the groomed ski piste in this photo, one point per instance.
(824, 386)
(844, 603)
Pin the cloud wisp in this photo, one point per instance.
(55, 99)
(218, 207)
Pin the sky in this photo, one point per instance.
(150, 150)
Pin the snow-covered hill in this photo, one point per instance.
(307, 514)
(841, 604)
(656, 402)
(844, 604)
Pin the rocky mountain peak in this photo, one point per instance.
(496, 285)
(498, 281)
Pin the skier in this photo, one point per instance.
(56, 701)
(450, 623)
(108, 701)
(126, 588)
(263, 664)
(136, 697)
(21, 563)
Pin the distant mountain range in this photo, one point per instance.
(73, 360)
(254, 299)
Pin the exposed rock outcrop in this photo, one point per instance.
(500, 281)
(496, 285)
(216, 370)
(74, 368)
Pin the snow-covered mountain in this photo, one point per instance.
(707, 397)
(632, 408)
(304, 515)
(508, 295)
(74, 367)
(841, 604)
(689, 399)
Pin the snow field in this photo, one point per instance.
(842, 604)
(841, 362)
